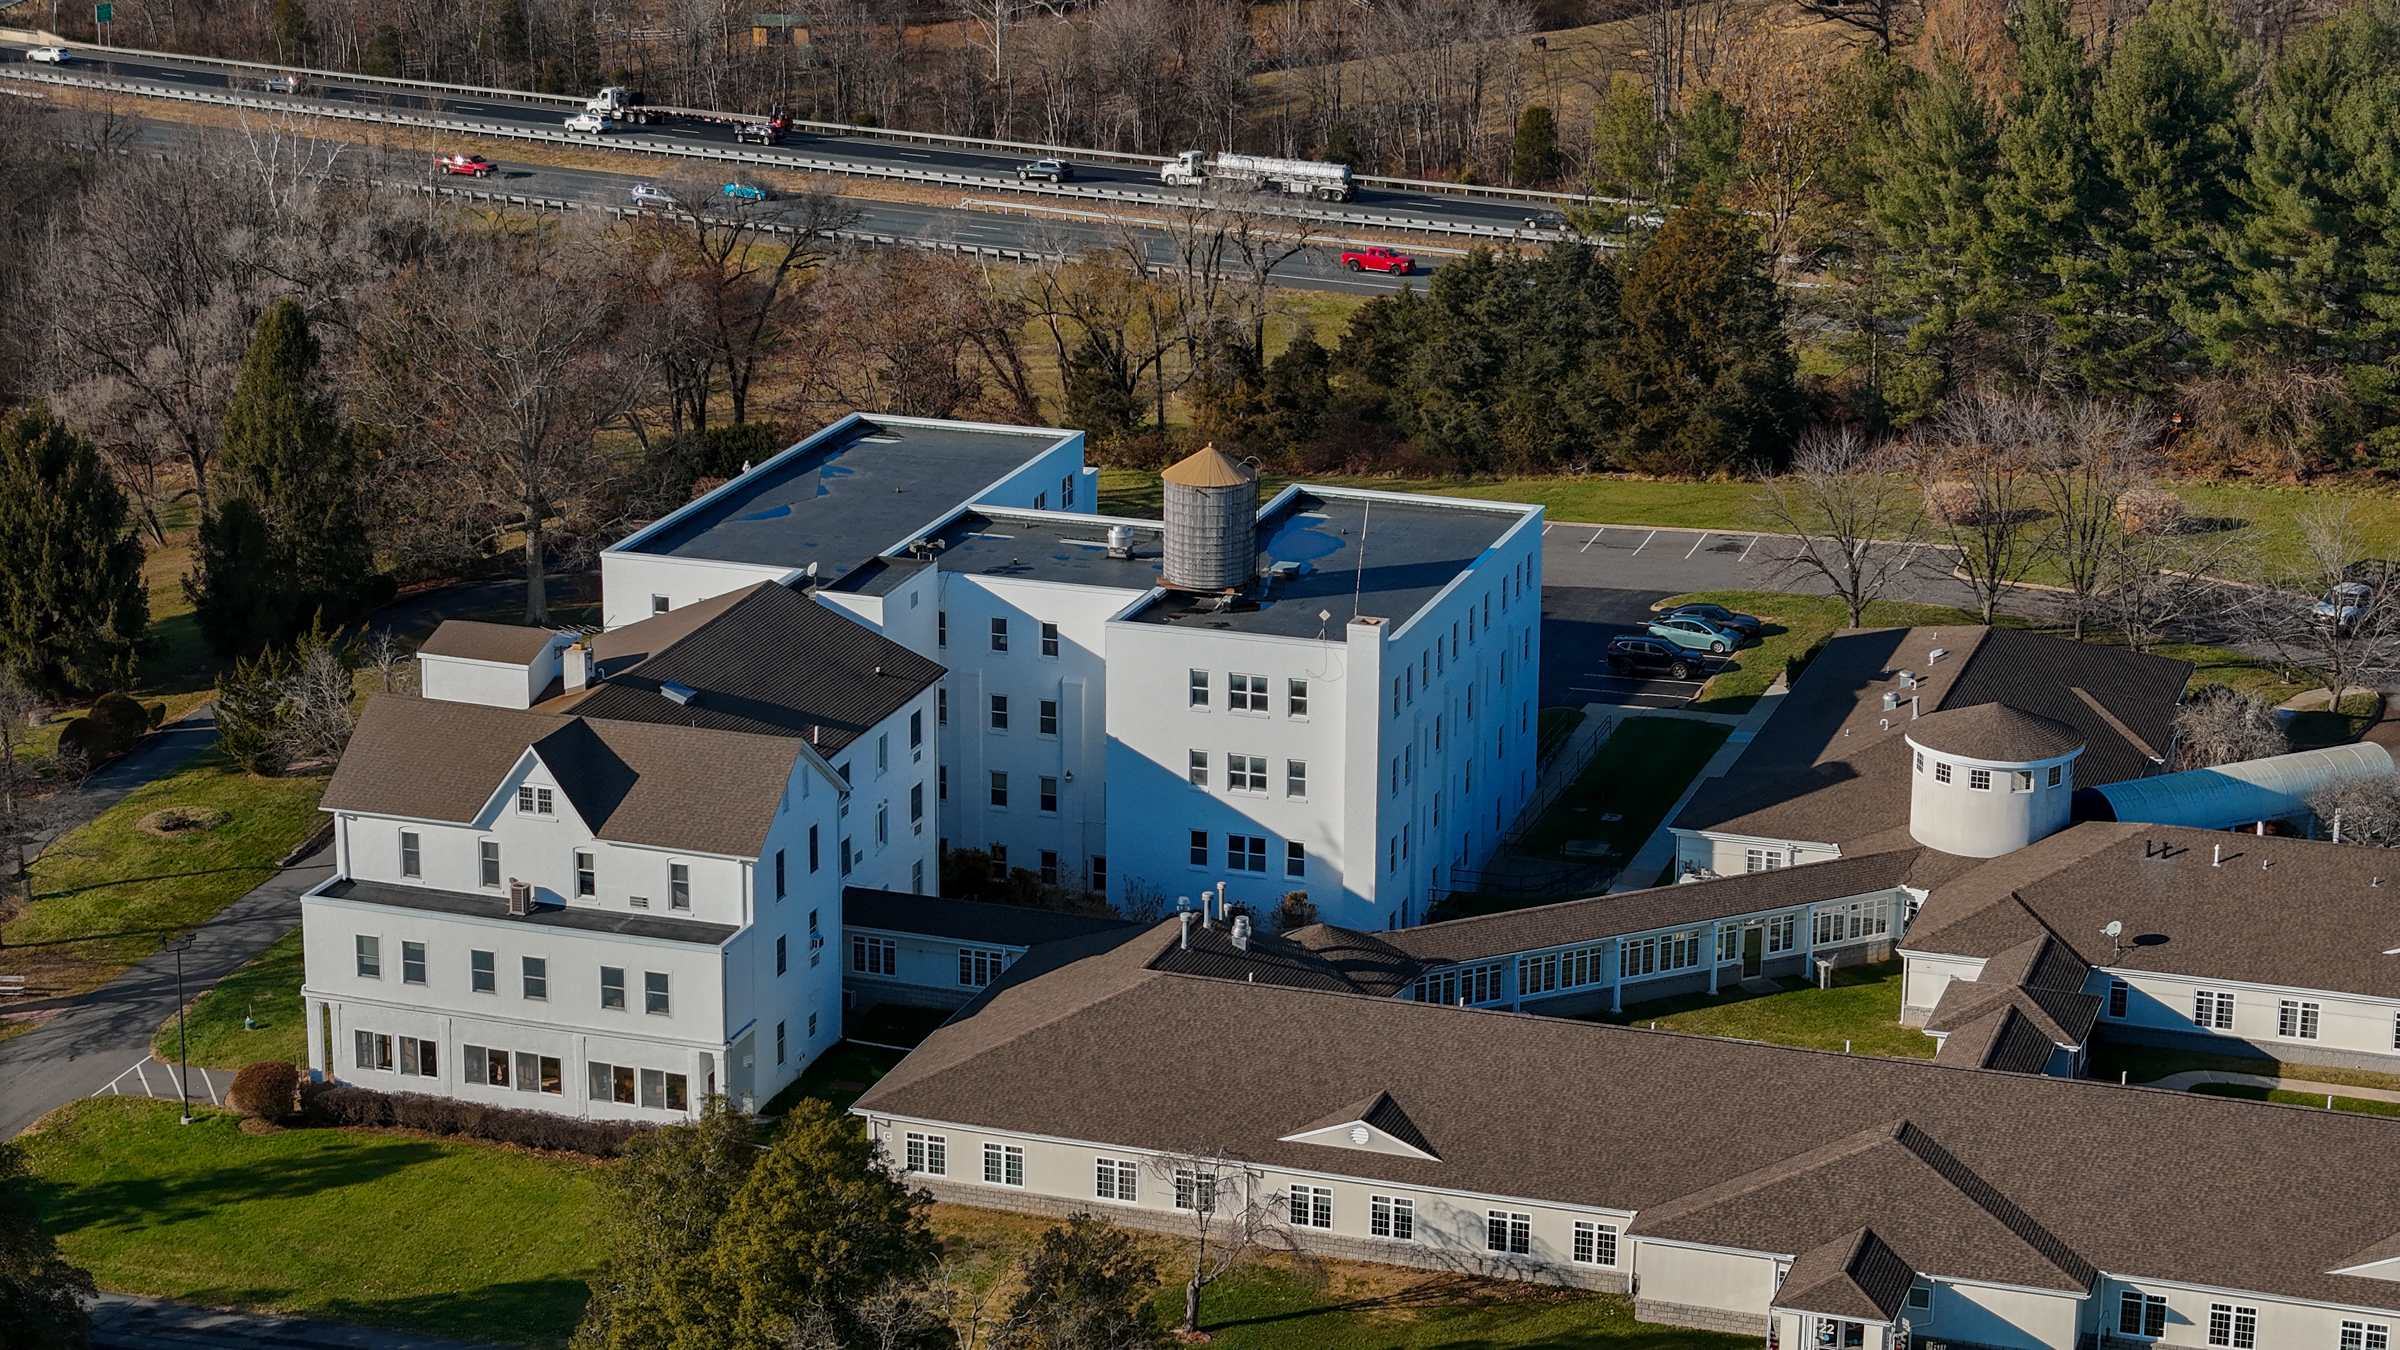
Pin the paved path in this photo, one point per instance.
(159, 754)
(123, 1322)
(1659, 849)
(2184, 1082)
(94, 1039)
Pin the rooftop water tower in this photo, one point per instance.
(1212, 522)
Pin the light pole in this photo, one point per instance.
(183, 1040)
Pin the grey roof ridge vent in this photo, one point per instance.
(679, 694)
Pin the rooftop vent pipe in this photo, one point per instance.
(1241, 932)
(1120, 541)
(678, 694)
(1186, 917)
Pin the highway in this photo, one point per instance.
(939, 225)
(991, 170)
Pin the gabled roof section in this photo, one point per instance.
(1376, 1125)
(1856, 1275)
(773, 663)
(2003, 1038)
(2378, 1262)
(506, 643)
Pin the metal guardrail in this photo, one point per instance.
(501, 130)
(1034, 148)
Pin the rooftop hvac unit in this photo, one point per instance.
(1241, 932)
(520, 897)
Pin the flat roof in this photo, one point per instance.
(845, 495)
(1049, 546)
(1374, 554)
(658, 928)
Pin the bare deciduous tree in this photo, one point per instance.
(2362, 811)
(35, 789)
(1981, 497)
(2081, 474)
(2330, 611)
(1847, 504)
(2219, 724)
(1228, 1214)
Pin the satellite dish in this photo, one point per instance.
(2114, 928)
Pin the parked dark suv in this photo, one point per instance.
(1649, 656)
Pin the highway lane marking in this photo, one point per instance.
(1637, 548)
(1593, 540)
(1687, 557)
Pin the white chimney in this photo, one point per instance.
(578, 670)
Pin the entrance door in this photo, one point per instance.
(1754, 949)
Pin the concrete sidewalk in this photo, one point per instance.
(94, 1039)
(123, 1322)
(2185, 1082)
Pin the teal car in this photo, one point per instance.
(748, 192)
(1696, 634)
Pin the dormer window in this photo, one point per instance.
(534, 801)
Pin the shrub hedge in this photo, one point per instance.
(332, 1104)
(264, 1089)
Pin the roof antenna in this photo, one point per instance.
(1359, 590)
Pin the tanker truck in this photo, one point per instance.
(1300, 177)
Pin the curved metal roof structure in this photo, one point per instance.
(2274, 788)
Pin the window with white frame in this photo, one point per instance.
(1853, 921)
(1246, 853)
(2140, 1314)
(2231, 1324)
(1195, 1191)
(1198, 768)
(1246, 693)
(874, 955)
(2296, 1019)
(1979, 780)
(1295, 858)
(1004, 1164)
(2212, 1009)
(1920, 761)
(929, 1153)
(2366, 1336)
(1762, 859)
(1114, 1179)
(1050, 640)
(1460, 984)
(1393, 1217)
(999, 634)
(1941, 772)
(979, 966)
(2055, 771)
(1046, 717)
(487, 855)
(1310, 1207)
(1507, 1231)
(374, 1050)
(2024, 780)
(2120, 998)
(999, 712)
(1656, 955)
(1246, 773)
(1562, 970)
(1783, 932)
(1295, 778)
(1199, 695)
(370, 957)
(1295, 699)
(412, 857)
(534, 801)
(1921, 1296)
(1595, 1243)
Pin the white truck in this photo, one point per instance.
(1300, 177)
(628, 107)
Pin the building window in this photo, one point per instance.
(658, 604)
(1246, 773)
(483, 972)
(1066, 492)
(1595, 1243)
(2296, 1020)
(1198, 768)
(1004, 1164)
(1199, 689)
(1049, 868)
(780, 949)
(2212, 1010)
(488, 855)
(1245, 853)
(875, 956)
(654, 992)
(1115, 1179)
(941, 707)
(533, 801)
(1505, 1231)
(1460, 984)
(412, 963)
(916, 803)
(812, 846)
(1295, 699)
(1783, 932)
(2119, 995)
(420, 1059)
(374, 1051)
(929, 1153)
(1295, 778)
(1311, 1207)
(587, 880)
(1393, 1217)
(412, 858)
(2140, 1314)
(999, 788)
(1920, 761)
(679, 879)
(1199, 848)
(1047, 722)
(1100, 876)
(979, 966)
(1979, 780)
(999, 712)
(1050, 640)
(612, 987)
(2231, 1324)
(2024, 780)
(536, 970)
(999, 857)
(2366, 1336)
(1762, 859)
(941, 628)
(1295, 858)
(999, 634)
(1048, 794)
(916, 728)
(1850, 922)
(1921, 1296)
(1195, 1192)
(1041, 501)
(1246, 693)
(1941, 772)
(845, 859)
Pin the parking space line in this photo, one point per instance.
(1637, 548)
(1593, 540)
(1746, 549)
(1687, 557)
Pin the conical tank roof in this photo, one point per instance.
(1207, 467)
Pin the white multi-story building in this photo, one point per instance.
(1331, 693)
(628, 895)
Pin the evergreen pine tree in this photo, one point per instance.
(72, 604)
(294, 37)
(1536, 159)
(1931, 212)
(1626, 141)
(2043, 193)
(285, 542)
(1708, 143)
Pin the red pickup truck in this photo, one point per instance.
(476, 165)
(1378, 259)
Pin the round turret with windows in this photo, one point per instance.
(1989, 779)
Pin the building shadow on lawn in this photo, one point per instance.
(150, 1202)
(521, 1312)
(263, 869)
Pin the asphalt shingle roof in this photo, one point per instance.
(507, 643)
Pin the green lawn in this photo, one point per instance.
(1862, 1008)
(2363, 1106)
(1552, 727)
(1640, 770)
(452, 1238)
(841, 1076)
(109, 893)
(266, 989)
(1274, 1307)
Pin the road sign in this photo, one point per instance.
(104, 12)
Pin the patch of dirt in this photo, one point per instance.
(175, 821)
(254, 1125)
